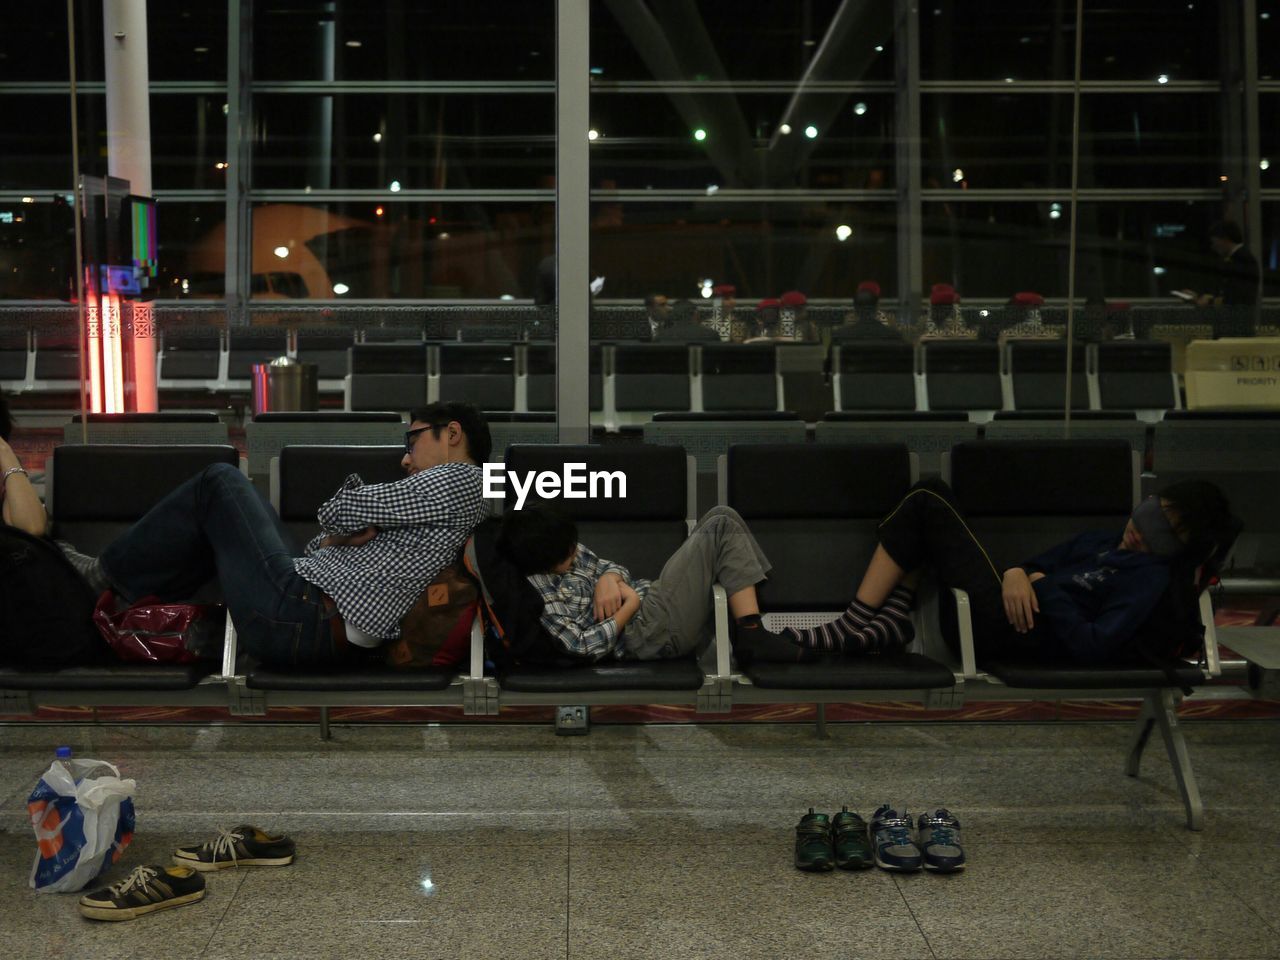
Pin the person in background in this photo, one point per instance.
(22, 507)
(865, 323)
(684, 326)
(767, 321)
(1238, 272)
(798, 304)
(656, 309)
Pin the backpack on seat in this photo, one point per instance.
(511, 607)
(46, 607)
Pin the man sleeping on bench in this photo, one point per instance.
(596, 610)
(1087, 601)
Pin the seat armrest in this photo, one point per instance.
(724, 655)
(477, 649)
(1212, 659)
(964, 619)
(229, 650)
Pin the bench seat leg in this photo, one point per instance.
(1159, 709)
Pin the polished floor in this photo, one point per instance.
(669, 841)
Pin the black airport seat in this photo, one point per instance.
(961, 375)
(1038, 374)
(165, 427)
(875, 375)
(651, 376)
(309, 476)
(1085, 425)
(189, 354)
(327, 349)
(506, 429)
(739, 376)
(640, 531)
(482, 374)
(270, 432)
(846, 491)
(1136, 375)
(927, 435)
(249, 345)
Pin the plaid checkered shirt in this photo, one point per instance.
(568, 606)
(422, 520)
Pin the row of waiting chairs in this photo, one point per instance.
(628, 382)
(1019, 497)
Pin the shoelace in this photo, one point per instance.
(942, 836)
(223, 844)
(896, 829)
(139, 879)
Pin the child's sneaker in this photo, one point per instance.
(891, 841)
(849, 837)
(245, 846)
(940, 840)
(145, 890)
(813, 842)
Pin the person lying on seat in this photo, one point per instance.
(596, 610)
(379, 547)
(1083, 601)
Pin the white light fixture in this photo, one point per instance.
(1264, 164)
(1158, 271)
(201, 49)
(984, 313)
(593, 134)
(1163, 78)
(506, 296)
(226, 109)
(444, 235)
(377, 138)
(341, 288)
(354, 44)
(784, 129)
(879, 48)
(957, 175)
(844, 232)
(281, 252)
(700, 134)
(1008, 79)
(395, 186)
(859, 108)
(33, 199)
(713, 189)
(706, 288)
(1055, 211)
(811, 132)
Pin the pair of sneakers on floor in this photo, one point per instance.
(159, 886)
(890, 842)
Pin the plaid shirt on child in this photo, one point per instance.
(568, 610)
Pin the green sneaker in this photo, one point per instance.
(849, 837)
(813, 842)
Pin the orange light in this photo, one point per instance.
(431, 219)
(377, 211)
(93, 344)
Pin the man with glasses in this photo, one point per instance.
(380, 546)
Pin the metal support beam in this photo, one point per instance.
(239, 248)
(908, 167)
(1252, 131)
(573, 219)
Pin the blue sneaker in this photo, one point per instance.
(891, 840)
(940, 840)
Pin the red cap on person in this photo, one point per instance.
(943, 294)
(1028, 298)
(793, 298)
(725, 290)
(768, 303)
(869, 286)
(1119, 306)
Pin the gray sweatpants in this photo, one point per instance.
(676, 617)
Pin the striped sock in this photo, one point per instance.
(895, 616)
(836, 636)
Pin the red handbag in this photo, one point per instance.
(150, 631)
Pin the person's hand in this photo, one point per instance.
(357, 539)
(1020, 603)
(608, 596)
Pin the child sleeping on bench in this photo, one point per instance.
(596, 610)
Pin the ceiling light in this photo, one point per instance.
(957, 175)
(844, 232)
(354, 44)
(281, 252)
(377, 138)
(1163, 78)
(700, 134)
(593, 134)
(811, 132)
(1263, 164)
(784, 129)
(859, 108)
(395, 186)
(341, 288)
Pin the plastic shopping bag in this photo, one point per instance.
(151, 631)
(82, 813)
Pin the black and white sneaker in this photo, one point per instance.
(145, 890)
(245, 846)
(940, 841)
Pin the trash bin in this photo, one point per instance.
(285, 384)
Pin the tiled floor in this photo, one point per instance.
(669, 841)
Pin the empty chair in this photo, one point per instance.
(268, 433)
(508, 428)
(328, 350)
(875, 376)
(539, 375)
(961, 375)
(806, 386)
(738, 376)
(707, 436)
(927, 435)
(57, 357)
(167, 427)
(482, 374)
(1038, 375)
(651, 376)
(15, 348)
(189, 356)
(387, 376)
(1085, 425)
(1136, 375)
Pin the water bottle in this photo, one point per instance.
(63, 755)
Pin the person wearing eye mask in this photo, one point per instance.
(1082, 600)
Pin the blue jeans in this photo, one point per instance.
(217, 525)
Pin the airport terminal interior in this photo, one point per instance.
(791, 259)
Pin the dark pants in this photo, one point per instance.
(217, 525)
(926, 529)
